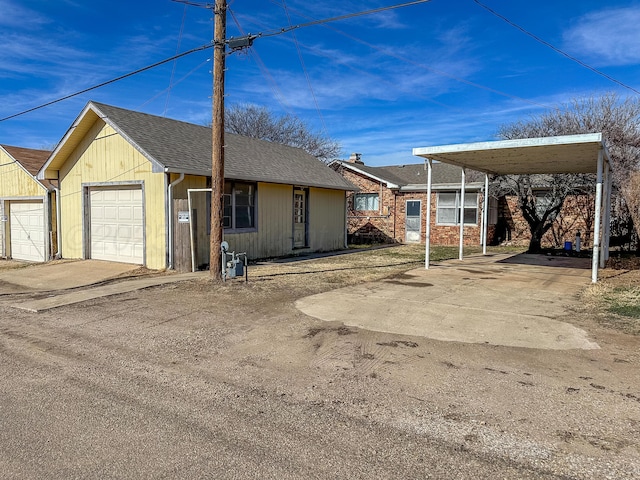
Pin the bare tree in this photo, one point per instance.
(540, 198)
(260, 122)
(619, 122)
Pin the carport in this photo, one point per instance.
(585, 153)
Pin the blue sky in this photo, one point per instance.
(445, 71)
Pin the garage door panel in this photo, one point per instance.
(27, 231)
(117, 230)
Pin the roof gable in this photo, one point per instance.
(31, 160)
(181, 147)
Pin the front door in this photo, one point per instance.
(412, 221)
(299, 219)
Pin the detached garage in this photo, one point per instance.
(27, 206)
(125, 179)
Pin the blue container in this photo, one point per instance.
(568, 245)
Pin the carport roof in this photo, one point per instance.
(560, 154)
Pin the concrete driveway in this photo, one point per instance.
(59, 275)
(510, 300)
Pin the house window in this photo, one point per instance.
(448, 210)
(543, 204)
(366, 201)
(239, 205)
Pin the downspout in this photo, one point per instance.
(58, 231)
(170, 216)
(346, 220)
(3, 233)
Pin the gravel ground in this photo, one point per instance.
(192, 380)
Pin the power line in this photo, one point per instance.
(263, 68)
(175, 62)
(108, 82)
(552, 47)
(431, 69)
(343, 17)
(304, 68)
(205, 47)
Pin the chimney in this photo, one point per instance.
(355, 158)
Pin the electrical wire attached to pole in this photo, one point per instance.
(108, 82)
(234, 44)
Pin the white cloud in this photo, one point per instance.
(15, 15)
(607, 37)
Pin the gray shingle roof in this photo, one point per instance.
(185, 147)
(415, 174)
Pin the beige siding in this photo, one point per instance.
(274, 236)
(17, 182)
(190, 181)
(103, 156)
(275, 222)
(3, 226)
(326, 219)
(53, 248)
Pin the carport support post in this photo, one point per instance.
(427, 230)
(597, 221)
(607, 225)
(485, 209)
(462, 185)
(606, 219)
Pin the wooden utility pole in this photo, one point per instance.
(217, 128)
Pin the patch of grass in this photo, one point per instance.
(624, 301)
(619, 306)
(632, 311)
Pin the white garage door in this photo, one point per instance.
(117, 230)
(27, 231)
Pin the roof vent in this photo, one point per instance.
(356, 158)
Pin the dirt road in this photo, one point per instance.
(184, 381)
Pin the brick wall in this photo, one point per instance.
(576, 215)
(373, 225)
(388, 225)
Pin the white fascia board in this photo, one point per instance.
(515, 143)
(476, 186)
(374, 177)
(41, 173)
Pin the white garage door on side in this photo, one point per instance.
(27, 231)
(117, 230)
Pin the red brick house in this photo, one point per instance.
(390, 205)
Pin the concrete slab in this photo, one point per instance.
(498, 300)
(60, 275)
(90, 293)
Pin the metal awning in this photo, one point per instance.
(562, 154)
(585, 153)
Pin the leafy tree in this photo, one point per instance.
(618, 120)
(259, 122)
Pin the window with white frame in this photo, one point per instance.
(366, 201)
(448, 209)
